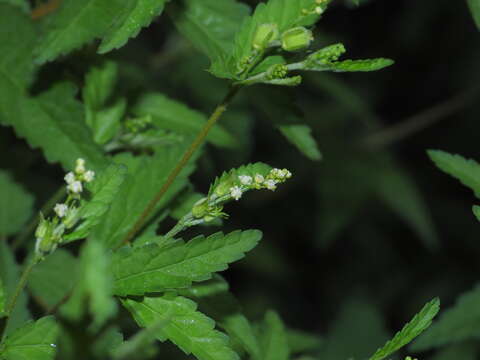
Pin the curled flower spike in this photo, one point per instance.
(61, 210)
(236, 192)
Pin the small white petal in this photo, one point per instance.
(75, 187)
(89, 176)
(69, 178)
(259, 178)
(271, 184)
(60, 210)
(245, 179)
(236, 192)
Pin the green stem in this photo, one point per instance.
(21, 284)
(217, 113)
(56, 197)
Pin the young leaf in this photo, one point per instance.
(459, 323)
(172, 115)
(273, 338)
(16, 206)
(152, 268)
(103, 192)
(135, 15)
(301, 137)
(50, 285)
(10, 275)
(411, 330)
(34, 341)
(189, 329)
(209, 24)
(467, 171)
(93, 293)
(76, 23)
(475, 9)
(145, 177)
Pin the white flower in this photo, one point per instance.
(245, 179)
(287, 173)
(271, 184)
(75, 187)
(89, 176)
(80, 166)
(259, 179)
(69, 178)
(319, 10)
(61, 210)
(235, 192)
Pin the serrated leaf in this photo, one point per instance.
(153, 268)
(93, 292)
(467, 171)
(145, 177)
(34, 341)
(48, 283)
(458, 323)
(16, 206)
(136, 15)
(103, 191)
(301, 137)
(218, 303)
(76, 23)
(411, 330)
(474, 6)
(273, 338)
(172, 115)
(189, 329)
(54, 122)
(210, 25)
(10, 275)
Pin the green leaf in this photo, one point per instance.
(153, 268)
(22, 4)
(57, 111)
(460, 322)
(411, 330)
(146, 175)
(474, 6)
(210, 25)
(103, 191)
(103, 119)
(93, 292)
(273, 338)
(17, 38)
(356, 331)
(476, 211)
(301, 137)
(351, 65)
(135, 15)
(190, 330)
(10, 275)
(76, 23)
(34, 341)
(218, 303)
(172, 115)
(16, 206)
(48, 283)
(467, 171)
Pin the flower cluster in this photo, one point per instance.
(258, 181)
(49, 232)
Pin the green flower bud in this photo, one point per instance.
(296, 39)
(277, 71)
(72, 217)
(43, 228)
(224, 187)
(265, 34)
(328, 54)
(200, 208)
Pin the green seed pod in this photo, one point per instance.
(296, 39)
(223, 188)
(265, 34)
(200, 208)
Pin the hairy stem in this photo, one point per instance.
(200, 138)
(27, 230)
